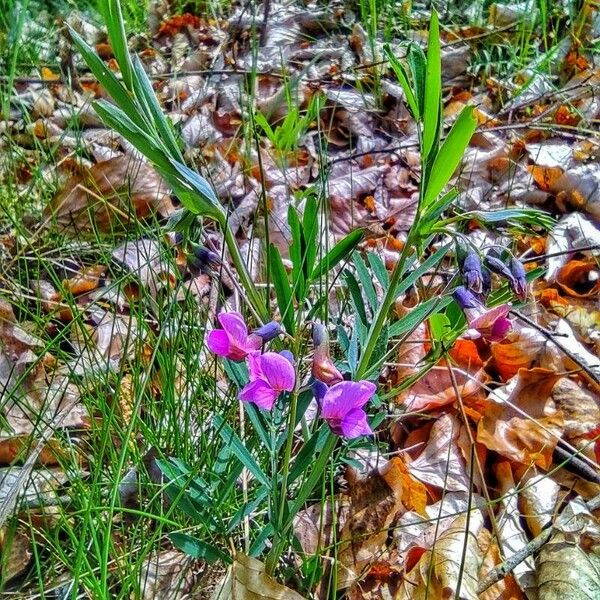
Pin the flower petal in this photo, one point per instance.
(255, 366)
(218, 342)
(487, 319)
(500, 329)
(355, 424)
(235, 327)
(260, 393)
(345, 396)
(278, 371)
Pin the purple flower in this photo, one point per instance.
(496, 265)
(323, 368)
(489, 323)
(471, 272)
(234, 341)
(342, 408)
(519, 282)
(270, 374)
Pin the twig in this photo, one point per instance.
(504, 568)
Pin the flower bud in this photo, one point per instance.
(519, 281)
(322, 366)
(497, 266)
(471, 272)
(268, 332)
(201, 258)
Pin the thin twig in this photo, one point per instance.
(504, 568)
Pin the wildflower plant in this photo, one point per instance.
(276, 369)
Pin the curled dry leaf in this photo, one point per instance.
(522, 422)
(538, 500)
(512, 535)
(15, 549)
(441, 463)
(246, 580)
(450, 568)
(109, 195)
(436, 389)
(579, 278)
(167, 575)
(146, 260)
(374, 503)
(573, 233)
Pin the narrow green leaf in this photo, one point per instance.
(230, 437)
(283, 291)
(425, 266)
(118, 40)
(307, 453)
(450, 154)
(356, 296)
(198, 549)
(340, 251)
(433, 87)
(366, 280)
(402, 77)
(310, 229)
(107, 79)
(418, 68)
(418, 314)
(201, 197)
(296, 253)
(379, 269)
(144, 91)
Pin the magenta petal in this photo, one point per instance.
(218, 342)
(354, 424)
(487, 319)
(260, 393)
(233, 323)
(278, 371)
(255, 366)
(345, 396)
(500, 329)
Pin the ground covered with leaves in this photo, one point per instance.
(131, 464)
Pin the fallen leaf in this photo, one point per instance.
(108, 195)
(167, 575)
(374, 503)
(450, 568)
(538, 500)
(573, 233)
(441, 463)
(521, 421)
(246, 580)
(579, 278)
(512, 536)
(16, 552)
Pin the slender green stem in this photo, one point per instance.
(383, 310)
(254, 296)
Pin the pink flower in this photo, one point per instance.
(342, 407)
(233, 341)
(490, 323)
(270, 374)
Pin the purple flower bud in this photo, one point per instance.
(471, 272)
(322, 366)
(497, 266)
(201, 259)
(519, 282)
(175, 238)
(465, 298)
(319, 389)
(268, 332)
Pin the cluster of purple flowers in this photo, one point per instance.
(272, 373)
(489, 323)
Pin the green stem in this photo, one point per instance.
(254, 297)
(382, 311)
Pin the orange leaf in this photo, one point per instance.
(579, 278)
(545, 177)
